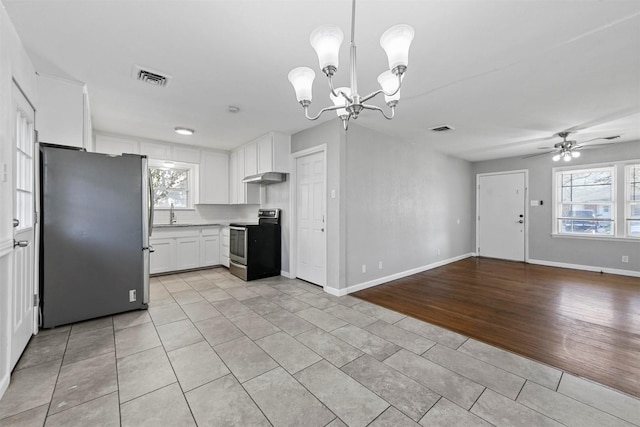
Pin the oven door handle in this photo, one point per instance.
(238, 228)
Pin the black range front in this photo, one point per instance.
(254, 249)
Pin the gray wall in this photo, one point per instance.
(331, 134)
(403, 203)
(569, 250)
(397, 203)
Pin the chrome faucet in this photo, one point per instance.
(172, 215)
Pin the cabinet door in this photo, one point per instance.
(185, 154)
(163, 257)
(61, 115)
(214, 178)
(265, 154)
(188, 252)
(250, 159)
(210, 251)
(224, 247)
(112, 145)
(155, 150)
(240, 186)
(233, 176)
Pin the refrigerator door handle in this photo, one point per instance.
(151, 203)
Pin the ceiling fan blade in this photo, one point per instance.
(604, 144)
(537, 154)
(609, 138)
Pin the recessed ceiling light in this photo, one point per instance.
(233, 109)
(184, 131)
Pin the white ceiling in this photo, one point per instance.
(507, 75)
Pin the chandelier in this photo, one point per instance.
(348, 103)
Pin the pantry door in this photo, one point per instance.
(310, 218)
(23, 314)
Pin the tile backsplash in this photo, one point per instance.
(222, 214)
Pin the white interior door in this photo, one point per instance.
(501, 215)
(310, 218)
(23, 323)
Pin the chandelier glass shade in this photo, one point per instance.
(347, 102)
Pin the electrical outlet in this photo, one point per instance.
(438, 251)
(132, 295)
(380, 265)
(364, 268)
(625, 258)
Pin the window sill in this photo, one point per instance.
(587, 237)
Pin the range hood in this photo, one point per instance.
(266, 178)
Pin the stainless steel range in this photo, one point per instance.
(254, 249)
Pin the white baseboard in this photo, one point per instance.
(4, 384)
(585, 267)
(334, 291)
(381, 280)
(286, 274)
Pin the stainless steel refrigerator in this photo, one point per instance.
(95, 223)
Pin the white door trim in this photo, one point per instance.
(293, 208)
(526, 208)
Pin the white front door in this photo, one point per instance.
(23, 323)
(501, 215)
(310, 218)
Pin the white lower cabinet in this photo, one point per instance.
(184, 248)
(188, 252)
(224, 247)
(210, 247)
(162, 257)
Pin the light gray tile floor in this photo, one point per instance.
(214, 350)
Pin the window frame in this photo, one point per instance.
(192, 181)
(558, 201)
(628, 202)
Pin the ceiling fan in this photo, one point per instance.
(570, 149)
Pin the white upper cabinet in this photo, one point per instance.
(63, 115)
(274, 150)
(250, 159)
(114, 145)
(214, 178)
(156, 150)
(239, 192)
(185, 154)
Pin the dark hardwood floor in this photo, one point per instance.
(582, 322)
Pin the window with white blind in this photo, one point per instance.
(585, 201)
(632, 197)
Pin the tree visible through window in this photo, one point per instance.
(586, 202)
(633, 201)
(170, 185)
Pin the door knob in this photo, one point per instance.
(20, 243)
(16, 222)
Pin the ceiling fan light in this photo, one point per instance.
(326, 41)
(566, 157)
(301, 79)
(340, 101)
(556, 157)
(575, 154)
(395, 42)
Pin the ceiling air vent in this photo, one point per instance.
(443, 128)
(146, 75)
